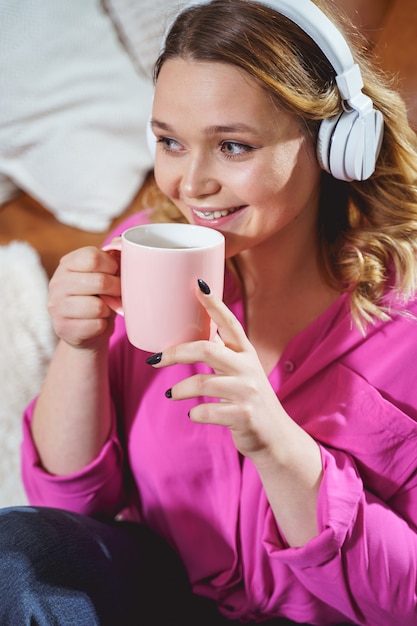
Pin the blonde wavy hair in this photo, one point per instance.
(368, 229)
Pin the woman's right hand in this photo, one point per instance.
(72, 418)
(80, 317)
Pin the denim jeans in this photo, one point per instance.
(62, 569)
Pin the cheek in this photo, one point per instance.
(296, 170)
(165, 177)
(279, 173)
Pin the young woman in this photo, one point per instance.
(274, 469)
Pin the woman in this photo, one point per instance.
(277, 462)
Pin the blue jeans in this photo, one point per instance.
(62, 569)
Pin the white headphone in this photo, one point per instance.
(348, 144)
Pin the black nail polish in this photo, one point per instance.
(204, 286)
(168, 393)
(154, 358)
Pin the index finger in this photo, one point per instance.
(229, 328)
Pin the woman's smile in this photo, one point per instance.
(215, 214)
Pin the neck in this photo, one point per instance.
(284, 291)
(281, 266)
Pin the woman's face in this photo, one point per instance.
(230, 160)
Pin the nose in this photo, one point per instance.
(198, 177)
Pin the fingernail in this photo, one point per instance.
(203, 286)
(154, 358)
(168, 393)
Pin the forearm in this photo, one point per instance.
(364, 561)
(72, 417)
(291, 475)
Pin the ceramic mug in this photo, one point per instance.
(159, 268)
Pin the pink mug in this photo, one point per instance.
(160, 265)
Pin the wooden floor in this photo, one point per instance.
(25, 219)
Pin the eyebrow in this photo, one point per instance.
(211, 130)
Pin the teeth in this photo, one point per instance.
(214, 215)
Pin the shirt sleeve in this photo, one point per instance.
(364, 560)
(98, 489)
(95, 490)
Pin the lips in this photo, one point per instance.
(215, 214)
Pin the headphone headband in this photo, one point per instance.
(317, 25)
(349, 143)
(309, 18)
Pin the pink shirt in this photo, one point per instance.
(357, 396)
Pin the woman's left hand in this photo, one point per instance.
(247, 403)
(287, 459)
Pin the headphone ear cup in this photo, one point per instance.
(150, 139)
(324, 141)
(340, 146)
(348, 144)
(345, 164)
(363, 145)
(355, 149)
(333, 136)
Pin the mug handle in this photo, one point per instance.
(114, 303)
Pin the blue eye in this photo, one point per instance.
(169, 145)
(233, 149)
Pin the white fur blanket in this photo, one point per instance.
(26, 345)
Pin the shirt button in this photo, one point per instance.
(289, 366)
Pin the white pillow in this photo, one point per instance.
(73, 111)
(141, 25)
